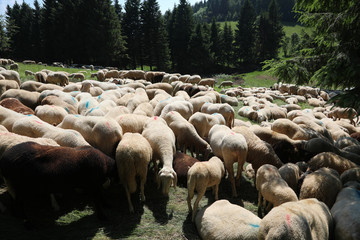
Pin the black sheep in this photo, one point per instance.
(30, 168)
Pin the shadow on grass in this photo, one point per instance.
(75, 220)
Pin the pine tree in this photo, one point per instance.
(3, 37)
(118, 10)
(155, 47)
(36, 38)
(227, 46)
(245, 34)
(132, 31)
(181, 34)
(200, 55)
(215, 42)
(49, 29)
(277, 32)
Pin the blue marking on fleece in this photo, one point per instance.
(254, 225)
(87, 104)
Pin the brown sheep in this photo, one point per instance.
(15, 105)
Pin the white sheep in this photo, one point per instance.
(231, 147)
(200, 176)
(224, 109)
(224, 221)
(8, 84)
(323, 184)
(184, 108)
(305, 219)
(33, 126)
(29, 99)
(272, 188)
(290, 172)
(57, 77)
(50, 113)
(203, 122)
(162, 141)
(346, 211)
(145, 109)
(133, 155)
(11, 75)
(8, 117)
(186, 135)
(132, 122)
(102, 133)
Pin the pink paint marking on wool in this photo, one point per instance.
(108, 125)
(288, 220)
(156, 118)
(232, 133)
(38, 122)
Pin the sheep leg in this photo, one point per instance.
(229, 167)
(198, 198)
(156, 169)
(131, 207)
(259, 204)
(268, 208)
(216, 191)
(142, 184)
(54, 203)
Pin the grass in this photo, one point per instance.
(157, 218)
(35, 68)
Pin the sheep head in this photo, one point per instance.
(167, 177)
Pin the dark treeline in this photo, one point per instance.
(102, 32)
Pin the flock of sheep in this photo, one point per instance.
(56, 134)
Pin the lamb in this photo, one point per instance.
(7, 84)
(224, 221)
(290, 172)
(29, 73)
(259, 152)
(182, 163)
(51, 114)
(231, 147)
(184, 108)
(186, 135)
(133, 155)
(330, 160)
(224, 109)
(323, 184)
(226, 84)
(95, 130)
(41, 76)
(16, 105)
(346, 212)
(347, 113)
(33, 126)
(29, 99)
(30, 168)
(352, 174)
(132, 122)
(207, 81)
(162, 141)
(272, 188)
(11, 75)
(78, 76)
(57, 77)
(201, 176)
(304, 219)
